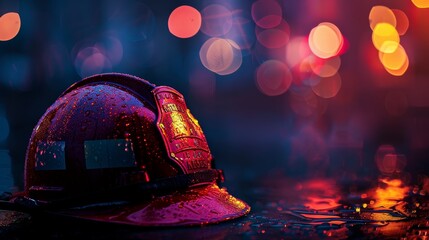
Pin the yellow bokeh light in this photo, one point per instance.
(394, 60)
(385, 38)
(381, 14)
(421, 3)
(10, 23)
(222, 56)
(325, 40)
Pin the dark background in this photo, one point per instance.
(252, 135)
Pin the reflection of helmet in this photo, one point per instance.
(117, 148)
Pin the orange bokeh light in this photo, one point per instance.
(10, 23)
(421, 3)
(325, 40)
(184, 22)
(381, 14)
(401, 71)
(395, 60)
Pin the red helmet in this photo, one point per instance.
(116, 148)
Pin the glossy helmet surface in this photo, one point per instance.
(117, 148)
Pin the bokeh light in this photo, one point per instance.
(395, 63)
(267, 13)
(216, 20)
(381, 14)
(382, 151)
(242, 31)
(90, 60)
(297, 49)
(10, 23)
(392, 163)
(222, 56)
(112, 48)
(276, 37)
(421, 3)
(402, 22)
(326, 67)
(325, 40)
(328, 87)
(394, 60)
(401, 71)
(385, 38)
(184, 21)
(273, 78)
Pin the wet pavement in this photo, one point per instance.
(380, 207)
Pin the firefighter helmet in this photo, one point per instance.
(117, 148)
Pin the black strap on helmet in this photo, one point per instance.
(131, 192)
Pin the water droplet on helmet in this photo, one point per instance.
(87, 113)
(124, 105)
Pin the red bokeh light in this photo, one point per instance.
(184, 22)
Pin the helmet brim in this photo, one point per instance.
(195, 206)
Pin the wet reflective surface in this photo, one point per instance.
(379, 207)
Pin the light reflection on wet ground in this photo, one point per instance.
(326, 208)
(286, 208)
